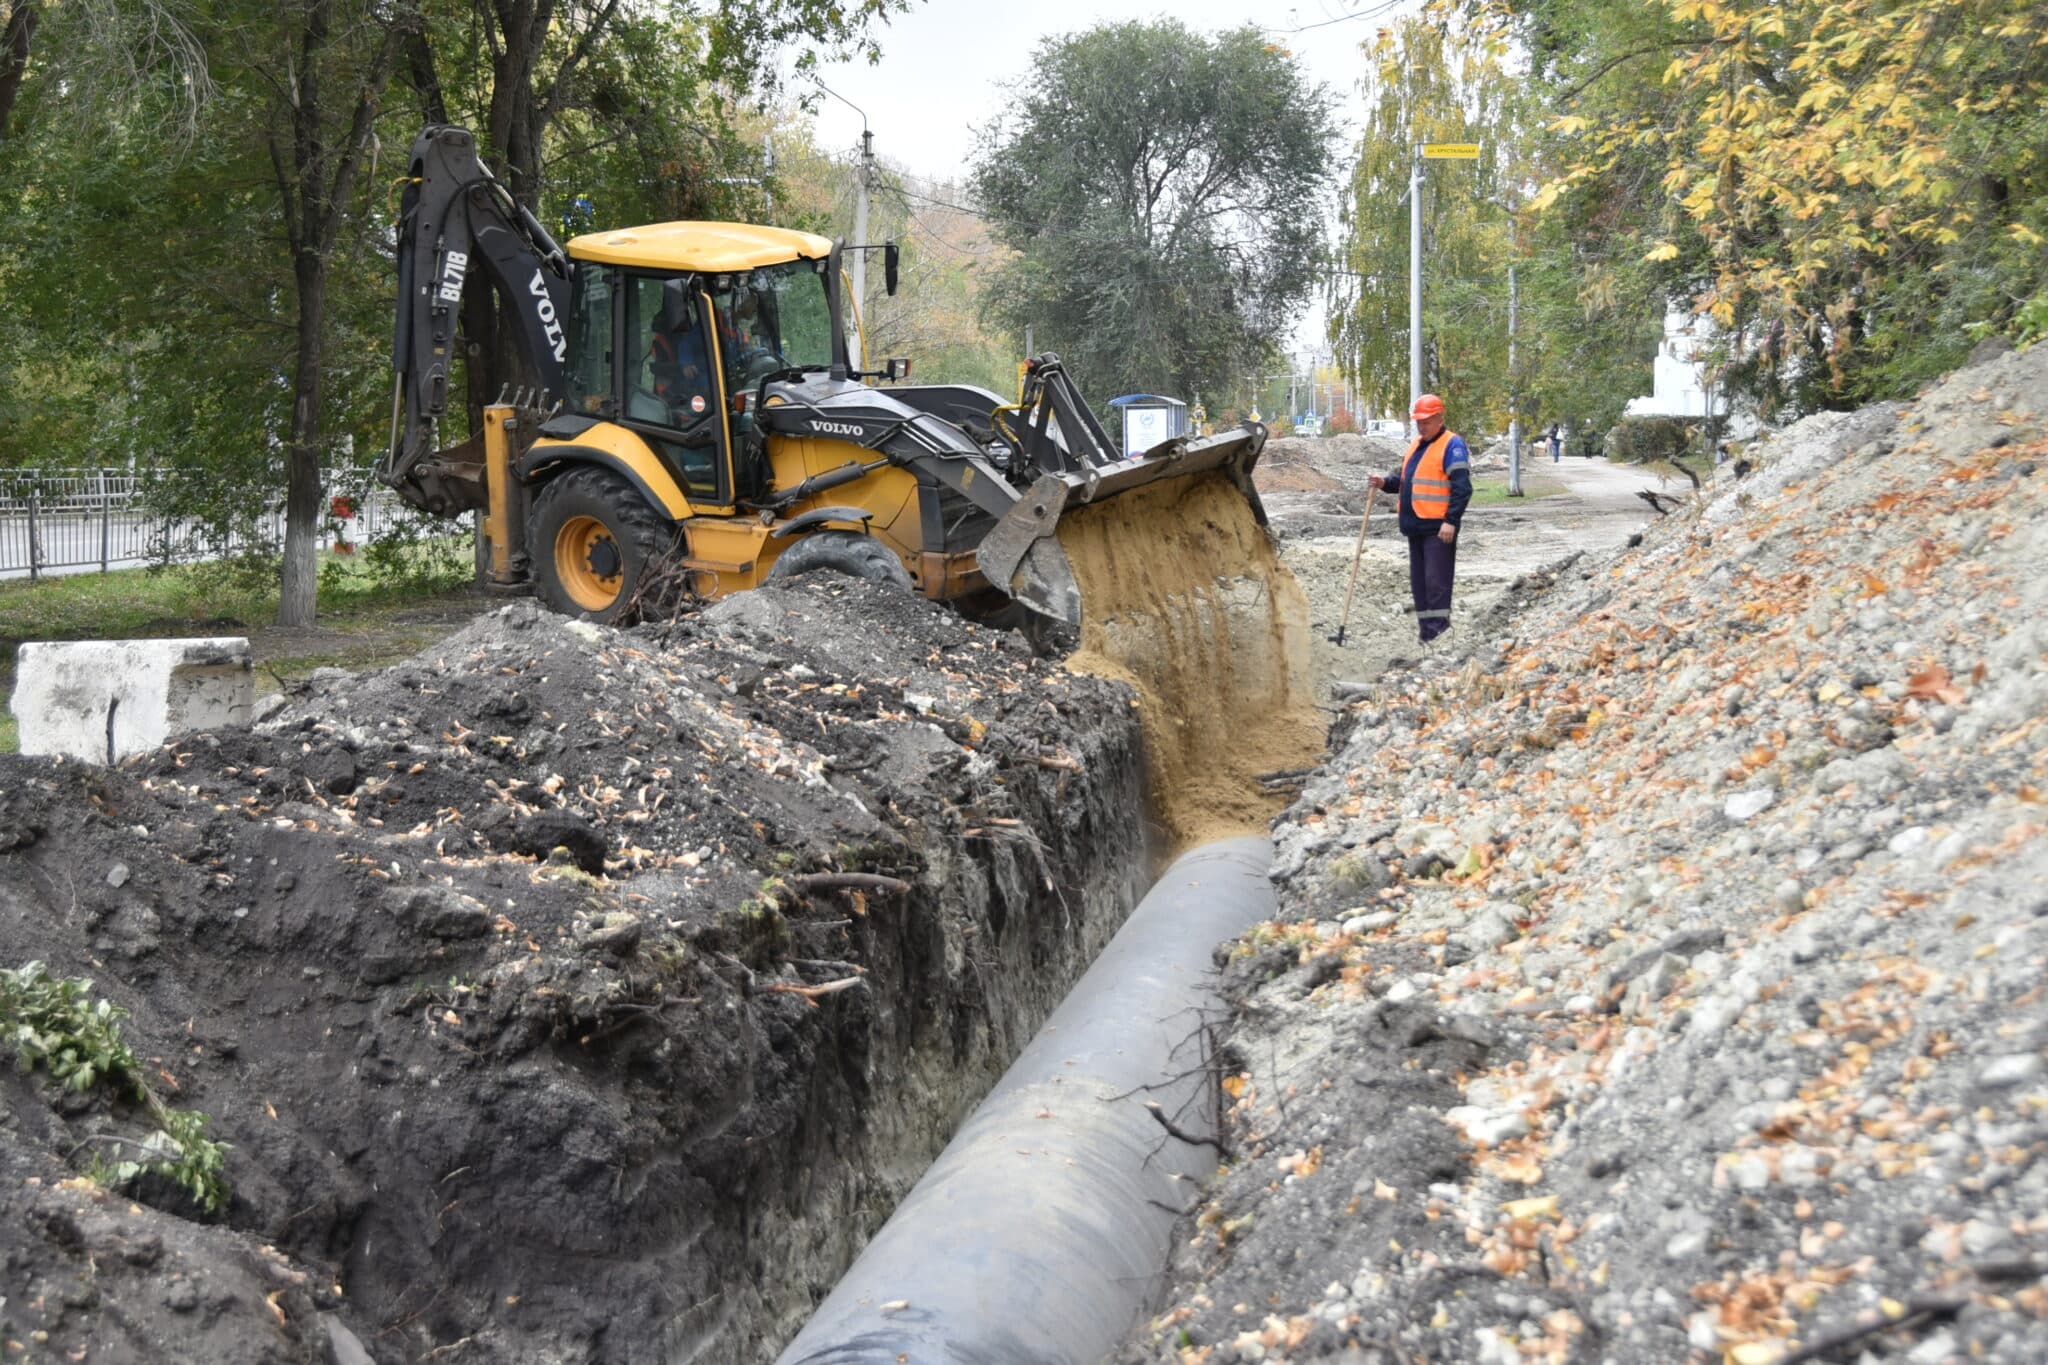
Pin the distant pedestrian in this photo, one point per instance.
(1556, 444)
(1435, 484)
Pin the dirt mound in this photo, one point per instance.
(1662, 980)
(1186, 599)
(1347, 458)
(564, 994)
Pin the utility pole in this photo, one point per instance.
(1514, 393)
(1424, 151)
(860, 220)
(854, 342)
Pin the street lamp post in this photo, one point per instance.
(1424, 151)
(1514, 394)
(1414, 286)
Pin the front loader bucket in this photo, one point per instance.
(1022, 555)
(1164, 566)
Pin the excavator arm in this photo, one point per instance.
(455, 216)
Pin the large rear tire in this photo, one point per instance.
(592, 537)
(847, 552)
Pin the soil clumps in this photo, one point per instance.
(1661, 979)
(563, 993)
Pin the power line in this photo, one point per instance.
(940, 203)
(1372, 12)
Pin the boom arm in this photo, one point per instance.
(454, 214)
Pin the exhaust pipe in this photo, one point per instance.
(1041, 1234)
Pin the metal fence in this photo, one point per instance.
(69, 522)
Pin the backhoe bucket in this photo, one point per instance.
(1023, 557)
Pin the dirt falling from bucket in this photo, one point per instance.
(1184, 598)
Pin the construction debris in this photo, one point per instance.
(1663, 978)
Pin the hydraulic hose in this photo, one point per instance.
(1041, 1234)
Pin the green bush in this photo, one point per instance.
(54, 1024)
(1642, 440)
(2031, 322)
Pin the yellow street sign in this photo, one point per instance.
(1450, 151)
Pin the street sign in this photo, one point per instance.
(1450, 151)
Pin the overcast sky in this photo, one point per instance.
(946, 63)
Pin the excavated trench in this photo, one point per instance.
(578, 995)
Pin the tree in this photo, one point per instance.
(322, 114)
(1159, 188)
(1585, 334)
(1853, 191)
(18, 20)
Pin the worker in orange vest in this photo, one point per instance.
(1435, 484)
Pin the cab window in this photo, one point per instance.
(590, 345)
(668, 370)
(774, 318)
(671, 390)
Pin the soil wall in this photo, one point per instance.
(564, 994)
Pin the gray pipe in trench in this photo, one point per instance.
(1041, 1234)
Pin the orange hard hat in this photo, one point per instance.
(1429, 405)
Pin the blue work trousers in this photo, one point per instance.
(1431, 566)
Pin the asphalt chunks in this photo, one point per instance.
(1184, 598)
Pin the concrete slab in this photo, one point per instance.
(102, 700)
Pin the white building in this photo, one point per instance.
(1679, 375)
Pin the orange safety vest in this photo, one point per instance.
(1429, 487)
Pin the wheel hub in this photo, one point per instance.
(604, 558)
(589, 564)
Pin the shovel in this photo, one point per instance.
(1371, 490)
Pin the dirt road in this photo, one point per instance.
(1315, 490)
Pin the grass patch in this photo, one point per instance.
(184, 599)
(365, 618)
(1489, 489)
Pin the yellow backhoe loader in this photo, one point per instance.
(700, 412)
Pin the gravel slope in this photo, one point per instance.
(1663, 980)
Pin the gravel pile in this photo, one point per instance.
(1663, 979)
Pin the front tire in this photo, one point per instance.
(847, 552)
(592, 538)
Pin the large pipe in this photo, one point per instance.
(1041, 1234)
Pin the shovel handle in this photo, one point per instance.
(1371, 491)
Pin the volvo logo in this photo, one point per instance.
(853, 429)
(544, 307)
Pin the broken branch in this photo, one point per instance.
(1174, 1130)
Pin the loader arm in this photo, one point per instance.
(454, 216)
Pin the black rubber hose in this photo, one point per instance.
(1041, 1234)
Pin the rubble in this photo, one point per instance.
(1734, 842)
